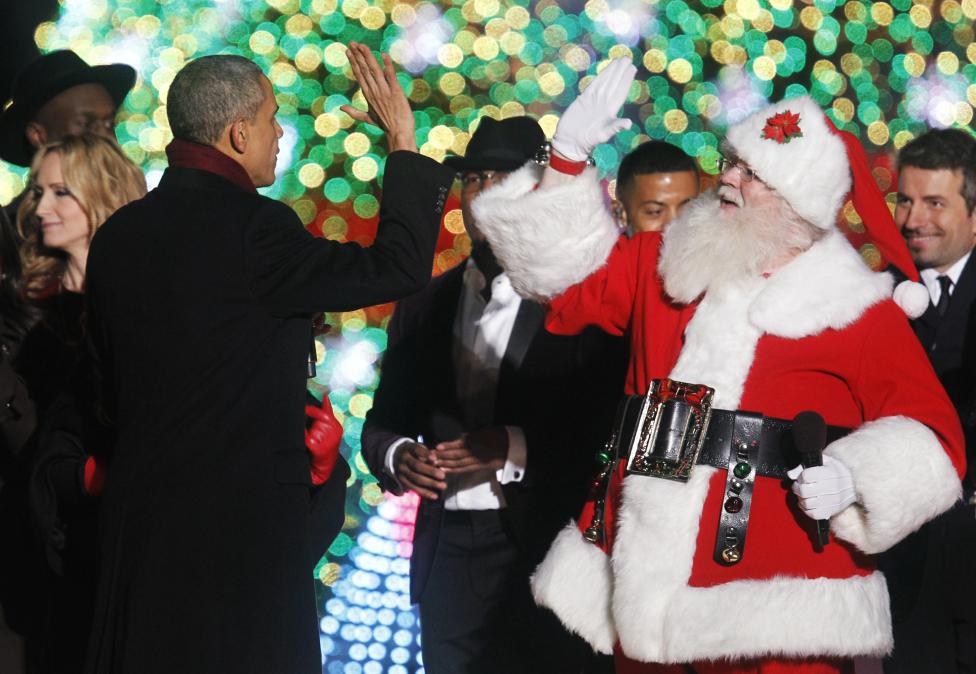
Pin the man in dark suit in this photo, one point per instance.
(494, 422)
(200, 298)
(932, 573)
(59, 95)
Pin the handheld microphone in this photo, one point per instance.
(810, 438)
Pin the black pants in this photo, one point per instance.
(477, 615)
(931, 577)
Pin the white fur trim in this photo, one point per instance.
(657, 529)
(811, 172)
(782, 617)
(550, 238)
(574, 581)
(902, 476)
(912, 297)
(827, 286)
(720, 342)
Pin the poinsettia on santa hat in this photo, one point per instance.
(790, 147)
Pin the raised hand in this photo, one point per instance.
(387, 103)
(592, 118)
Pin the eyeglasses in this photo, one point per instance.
(480, 179)
(748, 175)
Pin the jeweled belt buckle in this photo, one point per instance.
(670, 429)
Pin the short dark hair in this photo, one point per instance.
(211, 92)
(952, 149)
(654, 156)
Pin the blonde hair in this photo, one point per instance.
(102, 180)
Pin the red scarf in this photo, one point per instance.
(187, 154)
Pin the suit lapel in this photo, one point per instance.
(528, 322)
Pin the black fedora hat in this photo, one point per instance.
(41, 80)
(500, 145)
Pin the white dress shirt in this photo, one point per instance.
(481, 334)
(930, 277)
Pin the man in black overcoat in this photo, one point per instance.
(200, 298)
(932, 573)
(484, 414)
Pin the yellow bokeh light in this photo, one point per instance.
(969, 8)
(485, 48)
(441, 136)
(764, 67)
(882, 13)
(285, 6)
(517, 17)
(171, 58)
(496, 28)
(403, 15)
(450, 55)
(451, 84)
(299, 25)
(747, 9)
(311, 175)
(356, 144)
(335, 55)
(326, 124)
(964, 113)
(914, 64)
(512, 43)
(148, 26)
(486, 8)
(372, 18)
(365, 169)
(843, 109)
(855, 11)
(902, 138)
(45, 34)
(354, 8)
(575, 57)
(305, 208)
(619, 51)
(709, 106)
(552, 84)
(733, 26)
(262, 42)
(675, 121)
(454, 221)
(878, 132)
(971, 94)
(920, 16)
(680, 71)
(781, 5)
(308, 58)
(360, 404)
(548, 123)
(811, 18)
(851, 64)
(512, 109)
(655, 60)
(329, 574)
(283, 75)
(948, 63)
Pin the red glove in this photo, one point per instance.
(322, 440)
(94, 478)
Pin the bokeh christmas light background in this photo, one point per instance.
(884, 70)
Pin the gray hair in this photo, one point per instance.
(211, 92)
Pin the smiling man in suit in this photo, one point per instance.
(475, 410)
(931, 574)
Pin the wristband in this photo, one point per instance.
(546, 157)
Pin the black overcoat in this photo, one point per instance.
(199, 303)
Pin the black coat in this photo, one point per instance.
(561, 390)
(930, 574)
(200, 296)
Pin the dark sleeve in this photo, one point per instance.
(17, 415)
(394, 410)
(293, 272)
(577, 426)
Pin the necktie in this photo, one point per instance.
(945, 283)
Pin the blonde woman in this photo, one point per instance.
(75, 185)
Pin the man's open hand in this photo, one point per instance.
(486, 448)
(414, 468)
(387, 103)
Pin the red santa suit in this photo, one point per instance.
(821, 333)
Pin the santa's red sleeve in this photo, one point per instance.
(908, 459)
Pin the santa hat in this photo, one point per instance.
(796, 150)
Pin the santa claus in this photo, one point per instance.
(698, 552)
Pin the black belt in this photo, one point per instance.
(754, 445)
(777, 452)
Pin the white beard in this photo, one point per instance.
(707, 248)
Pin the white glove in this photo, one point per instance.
(825, 490)
(592, 118)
